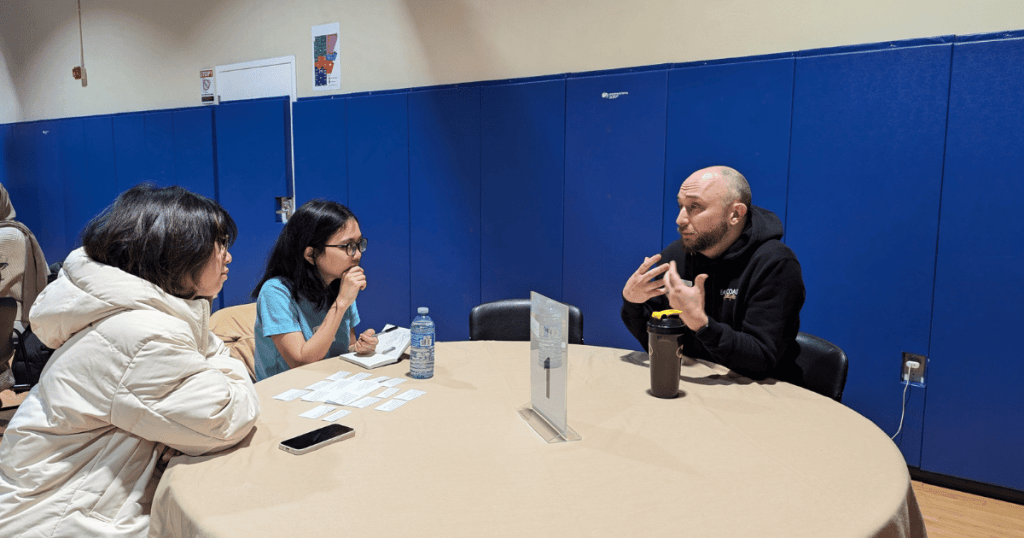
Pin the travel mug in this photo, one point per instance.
(663, 330)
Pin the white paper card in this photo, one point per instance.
(335, 416)
(321, 395)
(391, 405)
(290, 395)
(361, 376)
(410, 394)
(318, 411)
(388, 393)
(319, 385)
(338, 375)
(394, 381)
(369, 400)
(343, 399)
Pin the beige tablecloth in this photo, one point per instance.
(730, 457)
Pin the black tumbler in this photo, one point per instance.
(663, 330)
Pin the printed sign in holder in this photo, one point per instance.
(549, 368)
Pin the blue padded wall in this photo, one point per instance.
(130, 162)
(158, 130)
(193, 155)
(973, 420)
(37, 185)
(74, 160)
(522, 180)
(320, 151)
(444, 187)
(252, 169)
(737, 115)
(166, 148)
(84, 201)
(21, 183)
(6, 152)
(865, 170)
(614, 193)
(378, 171)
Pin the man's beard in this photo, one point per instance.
(704, 240)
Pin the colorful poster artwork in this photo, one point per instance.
(326, 75)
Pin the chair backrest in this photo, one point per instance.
(823, 364)
(8, 313)
(23, 270)
(509, 320)
(236, 326)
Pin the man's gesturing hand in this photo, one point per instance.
(639, 287)
(686, 299)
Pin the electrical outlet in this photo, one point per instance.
(916, 374)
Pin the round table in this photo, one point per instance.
(728, 457)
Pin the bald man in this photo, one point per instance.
(743, 308)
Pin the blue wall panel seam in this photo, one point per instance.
(935, 266)
(565, 174)
(789, 154)
(348, 175)
(113, 151)
(216, 176)
(480, 195)
(174, 151)
(289, 176)
(664, 162)
(408, 186)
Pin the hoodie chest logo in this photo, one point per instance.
(729, 294)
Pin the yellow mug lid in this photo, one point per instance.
(659, 315)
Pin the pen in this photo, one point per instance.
(389, 329)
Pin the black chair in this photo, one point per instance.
(509, 320)
(8, 311)
(823, 364)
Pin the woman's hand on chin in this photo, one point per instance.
(352, 282)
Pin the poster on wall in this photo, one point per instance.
(326, 75)
(208, 90)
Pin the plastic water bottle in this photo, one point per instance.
(421, 365)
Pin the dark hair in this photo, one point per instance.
(163, 235)
(312, 225)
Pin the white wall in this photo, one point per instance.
(146, 54)
(10, 108)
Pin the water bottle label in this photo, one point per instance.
(422, 340)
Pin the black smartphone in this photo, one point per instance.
(317, 438)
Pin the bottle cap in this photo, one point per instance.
(423, 310)
(665, 322)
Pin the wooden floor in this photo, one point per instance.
(946, 512)
(949, 512)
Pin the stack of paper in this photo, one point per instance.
(352, 391)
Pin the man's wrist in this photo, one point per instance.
(699, 325)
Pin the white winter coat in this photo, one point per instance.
(137, 371)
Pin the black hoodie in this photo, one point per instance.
(753, 297)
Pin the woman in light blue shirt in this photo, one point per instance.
(306, 300)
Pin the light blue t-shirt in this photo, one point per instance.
(277, 313)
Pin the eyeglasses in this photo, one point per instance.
(350, 248)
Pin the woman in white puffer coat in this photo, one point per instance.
(136, 376)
